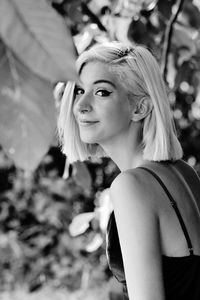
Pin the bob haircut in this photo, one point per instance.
(138, 72)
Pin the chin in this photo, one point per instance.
(88, 140)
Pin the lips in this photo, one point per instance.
(87, 122)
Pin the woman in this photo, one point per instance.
(120, 109)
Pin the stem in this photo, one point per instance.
(92, 16)
(168, 37)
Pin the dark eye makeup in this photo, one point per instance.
(103, 93)
(78, 90)
(100, 92)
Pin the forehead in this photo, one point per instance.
(93, 71)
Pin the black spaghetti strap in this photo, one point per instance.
(175, 207)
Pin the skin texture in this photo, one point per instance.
(138, 201)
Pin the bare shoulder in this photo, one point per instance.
(131, 176)
(132, 186)
(128, 180)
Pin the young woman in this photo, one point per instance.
(120, 109)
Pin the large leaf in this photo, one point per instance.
(39, 38)
(27, 112)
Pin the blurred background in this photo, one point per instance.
(53, 215)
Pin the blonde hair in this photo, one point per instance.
(139, 73)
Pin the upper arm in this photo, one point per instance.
(138, 228)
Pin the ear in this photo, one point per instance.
(142, 109)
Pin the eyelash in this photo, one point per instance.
(104, 92)
(76, 91)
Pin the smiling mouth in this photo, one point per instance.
(87, 123)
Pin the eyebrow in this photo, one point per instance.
(106, 81)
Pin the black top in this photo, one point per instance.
(181, 274)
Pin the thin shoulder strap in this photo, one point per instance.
(175, 207)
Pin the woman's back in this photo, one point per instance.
(181, 268)
(184, 186)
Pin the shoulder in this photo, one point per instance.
(128, 177)
(128, 180)
(131, 187)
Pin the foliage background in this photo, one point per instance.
(38, 206)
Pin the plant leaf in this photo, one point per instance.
(96, 242)
(27, 112)
(80, 223)
(39, 37)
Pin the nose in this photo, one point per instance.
(83, 104)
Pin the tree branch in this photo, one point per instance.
(92, 16)
(168, 37)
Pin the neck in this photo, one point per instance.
(125, 150)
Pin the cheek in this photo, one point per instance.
(121, 111)
(117, 117)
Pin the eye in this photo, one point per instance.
(78, 91)
(103, 93)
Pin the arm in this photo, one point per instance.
(138, 228)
